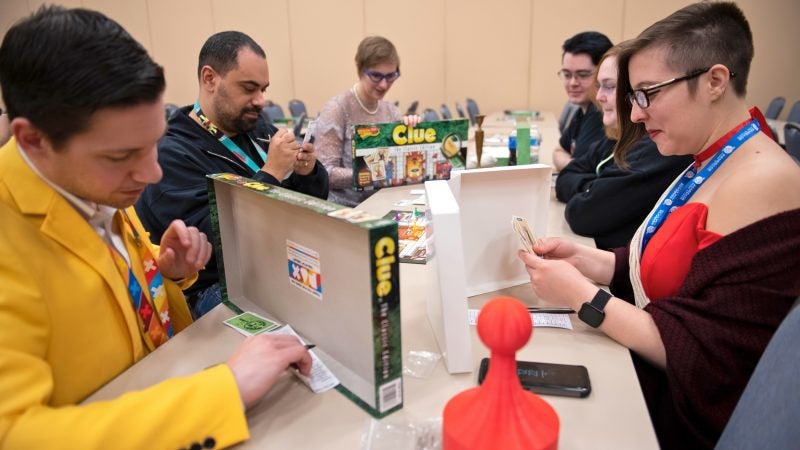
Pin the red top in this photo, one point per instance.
(669, 254)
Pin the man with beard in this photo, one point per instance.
(224, 132)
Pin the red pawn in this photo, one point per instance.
(500, 414)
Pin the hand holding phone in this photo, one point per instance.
(548, 379)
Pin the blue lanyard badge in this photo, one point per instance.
(227, 142)
(690, 181)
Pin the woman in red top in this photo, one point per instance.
(716, 266)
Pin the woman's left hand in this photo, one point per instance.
(557, 281)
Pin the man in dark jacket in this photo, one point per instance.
(224, 132)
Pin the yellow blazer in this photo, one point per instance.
(67, 327)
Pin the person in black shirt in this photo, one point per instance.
(581, 54)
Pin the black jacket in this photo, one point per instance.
(187, 153)
(609, 207)
(583, 131)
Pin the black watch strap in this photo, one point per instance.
(592, 311)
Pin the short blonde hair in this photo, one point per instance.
(374, 50)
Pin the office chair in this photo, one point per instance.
(472, 110)
(774, 108)
(460, 111)
(297, 107)
(567, 113)
(429, 115)
(791, 139)
(445, 111)
(794, 113)
(273, 111)
(170, 109)
(766, 415)
(412, 109)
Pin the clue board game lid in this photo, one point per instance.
(342, 294)
(393, 154)
(447, 297)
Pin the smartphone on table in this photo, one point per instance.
(548, 379)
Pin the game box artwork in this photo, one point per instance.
(393, 154)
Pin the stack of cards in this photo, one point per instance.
(520, 225)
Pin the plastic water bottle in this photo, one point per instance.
(512, 148)
(536, 137)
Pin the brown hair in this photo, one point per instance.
(374, 50)
(696, 36)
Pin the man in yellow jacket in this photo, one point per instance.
(83, 292)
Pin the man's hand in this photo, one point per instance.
(184, 251)
(306, 160)
(283, 150)
(260, 360)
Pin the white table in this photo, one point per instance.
(614, 416)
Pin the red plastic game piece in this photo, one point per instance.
(500, 414)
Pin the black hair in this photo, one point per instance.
(591, 43)
(221, 50)
(59, 66)
(696, 36)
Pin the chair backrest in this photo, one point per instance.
(567, 113)
(791, 139)
(774, 108)
(446, 114)
(460, 111)
(794, 113)
(766, 415)
(429, 115)
(297, 107)
(412, 108)
(273, 111)
(170, 109)
(472, 110)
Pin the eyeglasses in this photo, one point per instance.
(580, 75)
(606, 87)
(377, 77)
(642, 96)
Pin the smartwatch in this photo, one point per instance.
(592, 311)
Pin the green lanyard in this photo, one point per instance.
(228, 142)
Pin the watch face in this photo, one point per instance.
(591, 315)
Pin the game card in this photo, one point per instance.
(251, 324)
(523, 229)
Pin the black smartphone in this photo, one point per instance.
(548, 379)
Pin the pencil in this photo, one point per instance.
(551, 310)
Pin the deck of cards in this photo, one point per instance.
(520, 225)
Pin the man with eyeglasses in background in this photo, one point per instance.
(224, 131)
(579, 61)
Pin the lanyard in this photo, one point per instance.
(152, 306)
(690, 181)
(227, 142)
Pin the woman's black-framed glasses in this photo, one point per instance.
(377, 77)
(642, 96)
